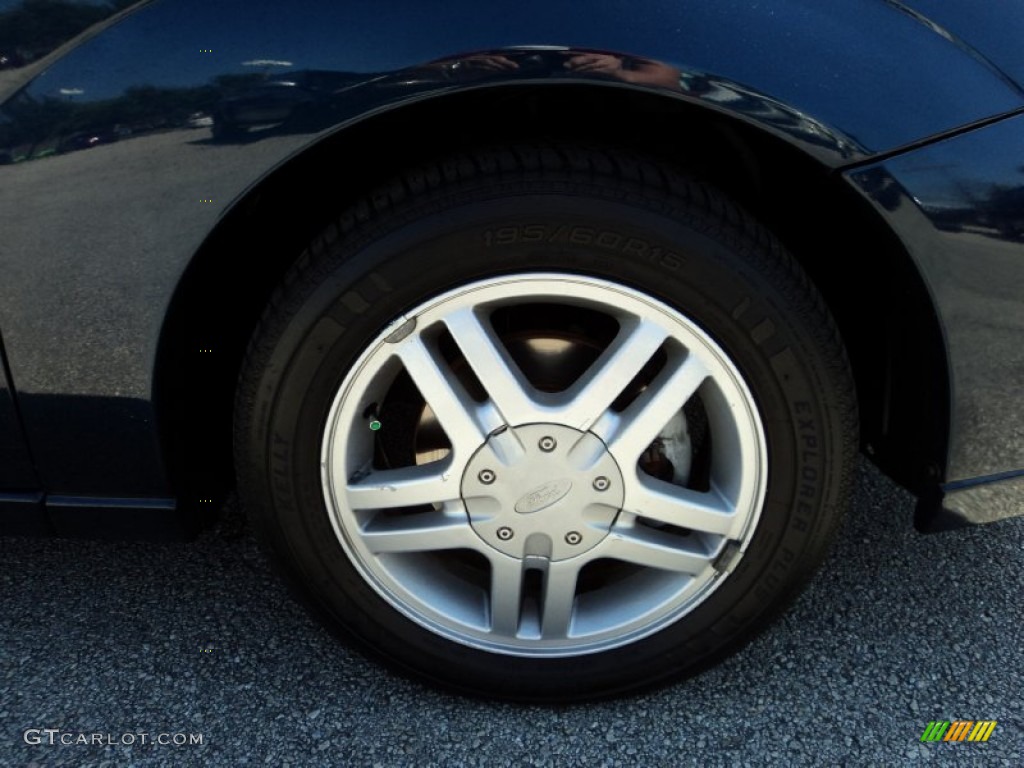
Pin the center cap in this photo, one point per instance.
(542, 490)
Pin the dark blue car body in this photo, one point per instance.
(163, 163)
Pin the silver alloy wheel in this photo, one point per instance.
(536, 530)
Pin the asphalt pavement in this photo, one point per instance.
(122, 645)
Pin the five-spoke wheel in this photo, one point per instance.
(569, 500)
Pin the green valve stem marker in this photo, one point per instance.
(370, 414)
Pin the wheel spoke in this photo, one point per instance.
(651, 411)
(453, 408)
(504, 383)
(611, 373)
(404, 487)
(559, 598)
(652, 548)
(682, 507)
(425, 532)
(506, 595)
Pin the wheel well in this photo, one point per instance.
(879, 300)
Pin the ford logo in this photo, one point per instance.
(543, 496)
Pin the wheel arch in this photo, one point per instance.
(862, 270)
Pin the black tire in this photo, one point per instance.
(603, 216)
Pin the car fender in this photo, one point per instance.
(98, 237)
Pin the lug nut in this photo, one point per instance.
(547, 444)
(573, 537)
(602, 483)
(505, 533)
(486, 476)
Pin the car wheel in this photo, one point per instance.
(546, 423)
